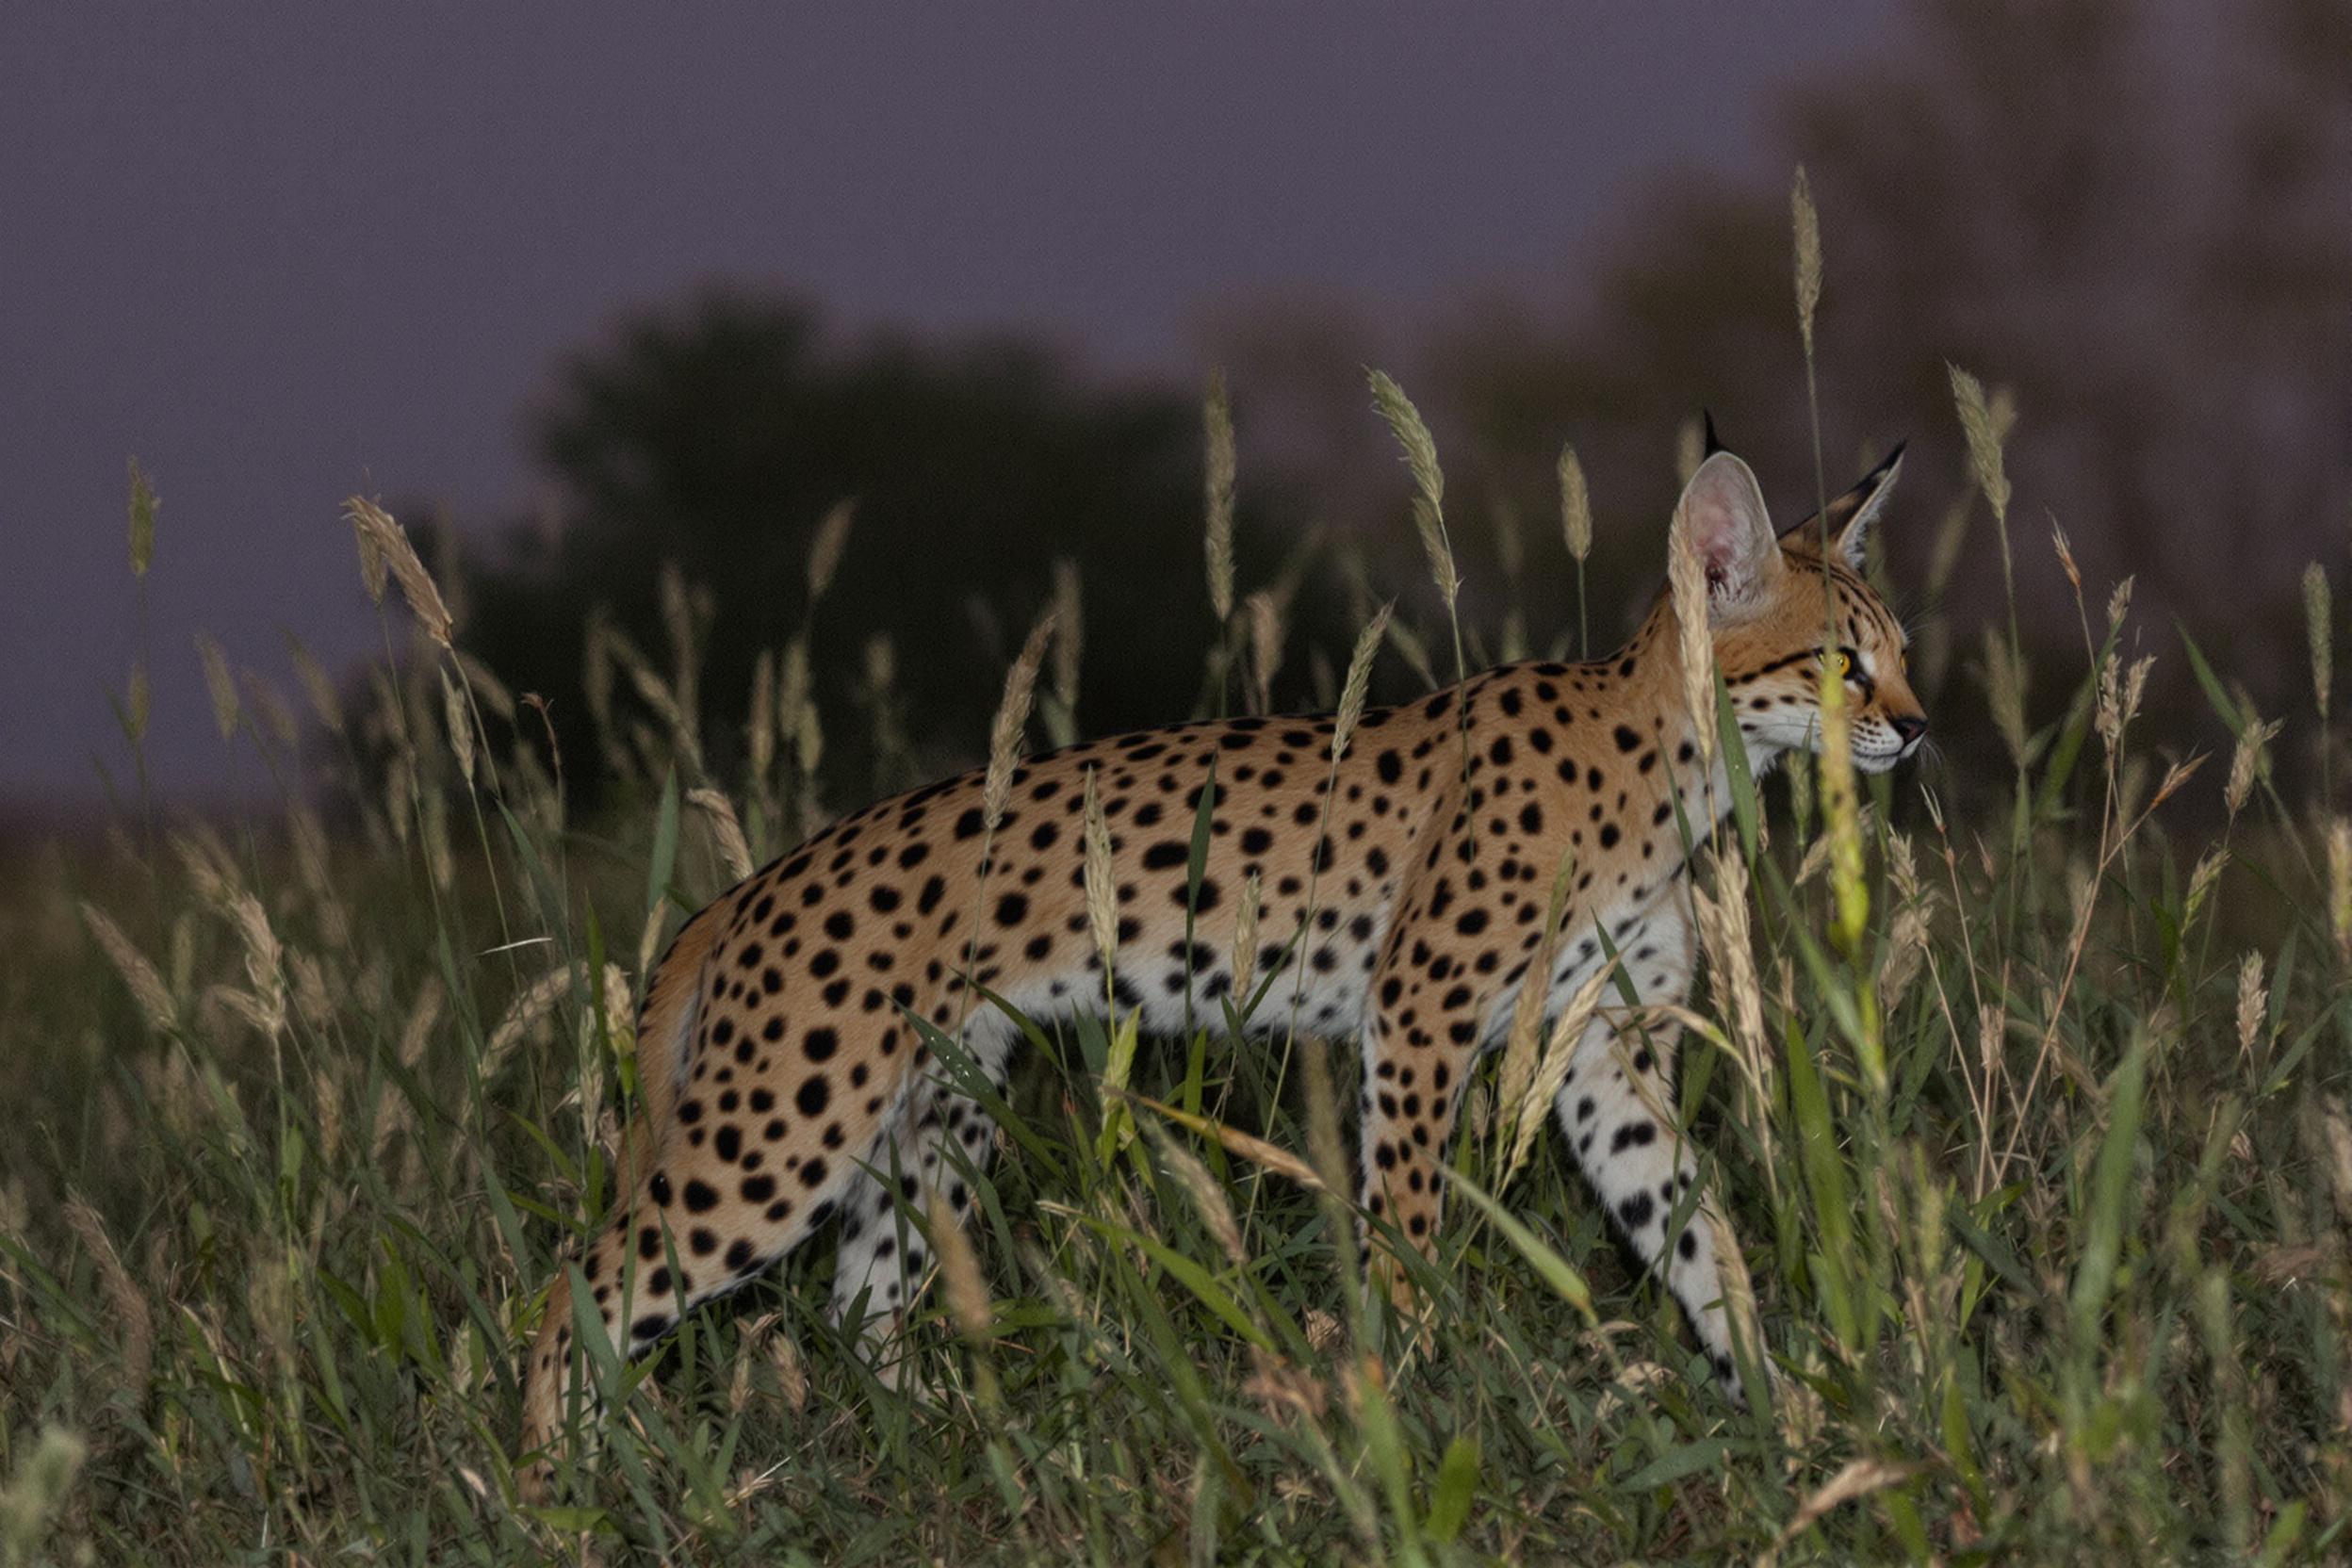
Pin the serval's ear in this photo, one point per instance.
(1850, 515)
(1723, 509)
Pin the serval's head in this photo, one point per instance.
(1780, 604)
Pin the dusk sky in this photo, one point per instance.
(286, 252)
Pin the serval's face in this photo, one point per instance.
(1781, 608)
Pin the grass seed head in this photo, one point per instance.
(2247, 760)
(824, 550)
(1265, 646)
(1101, 887)
(1217, 418)
(143, 508)
(1985, 436)
(218, 682)
(146, 984)
(1807, 224)
(1245, 954)
(1069, 634)
(2253, 1004)
(1576, 505)
(375, 528)
(1359, 682)
(726, 830)
(1012, 718)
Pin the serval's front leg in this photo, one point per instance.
(1617, 1106)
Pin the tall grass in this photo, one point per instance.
(2033, 1123)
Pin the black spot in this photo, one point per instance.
(1011, 909)
(1627, 737)
(1391, 767)
(814, 1095)
(970, 824)
(1167, 853)
(818, 1045)
(700, 1198)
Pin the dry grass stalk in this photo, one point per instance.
(134, 1323)
(1724, 929)
(1209, 1198)
(146, 984)
(2209, 868)
(1428, 505)
(1102, 885)
(218, 682)
(1217, 422)
(826, 548)
(1687, 582)
(1859, 1479)
(1521, 1057)
(1575, 506)
(1526, 1116)
(1256, 1150)
(375, 527)
(264, 961)
(2059, 542)
(1907, 946)
(531, 1004)
(1012, 718)
(2319, 631)
(726, 830)
(959, 1273)
(1690, 449)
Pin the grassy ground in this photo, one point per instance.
(2032, 1125)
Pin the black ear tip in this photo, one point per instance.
(1709, 444)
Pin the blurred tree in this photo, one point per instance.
(716, 437)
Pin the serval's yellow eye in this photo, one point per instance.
(1837, 661)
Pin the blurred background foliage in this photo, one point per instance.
(2153, 264)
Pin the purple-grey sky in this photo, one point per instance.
(286, 252)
